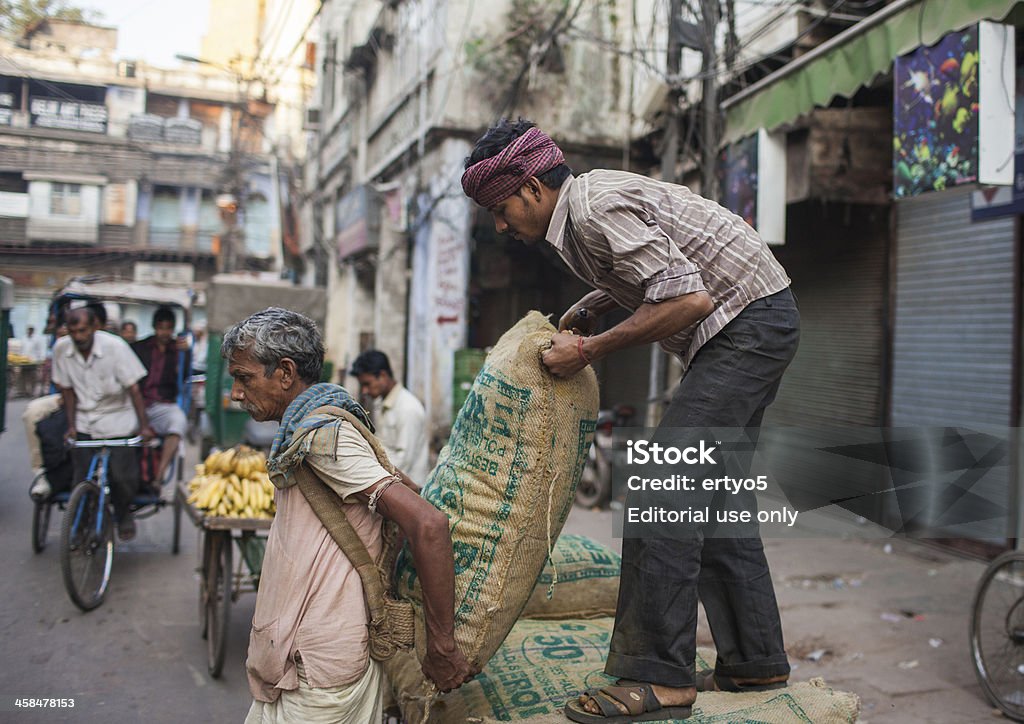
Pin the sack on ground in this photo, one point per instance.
(506, 480)
(543, 664)
(585, 574)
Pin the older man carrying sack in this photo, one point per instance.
(701, 282)
(309, 649)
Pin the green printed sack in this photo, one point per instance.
(543, 664)
(506, 481)
(585, 574)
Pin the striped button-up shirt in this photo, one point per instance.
(640, 241)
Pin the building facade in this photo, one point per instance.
(117, 168)
(404, 89)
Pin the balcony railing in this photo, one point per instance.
(183, 239)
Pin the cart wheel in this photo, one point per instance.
(204, 566)
(40, 525)
(218, 602)
(176, 540)
(85, 553)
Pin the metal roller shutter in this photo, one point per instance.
(954, 315)
(839, 272)
(953, 356)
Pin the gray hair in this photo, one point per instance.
(275, 333)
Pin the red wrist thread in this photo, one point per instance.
(582, 354)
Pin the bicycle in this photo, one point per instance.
(87, 532)
(997, 634)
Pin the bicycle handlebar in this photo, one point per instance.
(118, 442)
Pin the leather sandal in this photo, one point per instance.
(635, 697)
(708, 680)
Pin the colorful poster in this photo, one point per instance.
(737, 169)
(935, 111)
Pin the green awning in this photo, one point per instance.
(852, 59)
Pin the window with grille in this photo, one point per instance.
(65, 199)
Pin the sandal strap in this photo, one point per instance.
(606, 703)
(636, 697)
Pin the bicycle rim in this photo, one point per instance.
(997, 634)
(86, 555)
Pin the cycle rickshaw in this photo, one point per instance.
(87, 531)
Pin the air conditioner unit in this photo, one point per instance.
(312, 120)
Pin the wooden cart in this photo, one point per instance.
(220, 580)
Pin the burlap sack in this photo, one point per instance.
(542, 664)
(506, 480)
(587, 584)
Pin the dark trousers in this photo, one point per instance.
(730, 382)
(122, 473)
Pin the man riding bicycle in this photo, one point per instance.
(167, 361)
(98, 374)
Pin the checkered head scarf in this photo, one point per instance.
(496, 178)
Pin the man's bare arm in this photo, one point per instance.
(408, 482)
(427, 531)
(649, 323)
(595, 302)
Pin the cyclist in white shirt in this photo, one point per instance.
(97, 374)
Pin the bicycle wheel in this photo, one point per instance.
(86, 554)
(997, 634)
(40, 525)
(218, 602)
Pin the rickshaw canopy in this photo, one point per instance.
(129, 292)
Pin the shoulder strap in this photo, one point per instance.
(326, 504)
(371, 439)
(327, 507)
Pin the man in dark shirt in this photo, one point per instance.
(160, 390)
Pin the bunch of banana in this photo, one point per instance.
(233, 483)
(241, 460)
